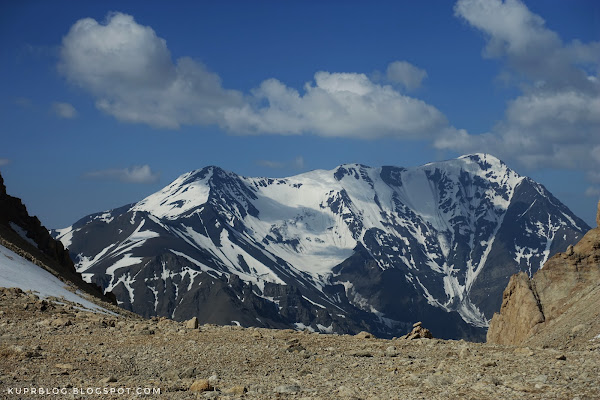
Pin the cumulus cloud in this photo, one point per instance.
(296, 163)
(64, 110)
(406, 74)
(336, 105)
(135, 174)
(555, 120)
(130, 71)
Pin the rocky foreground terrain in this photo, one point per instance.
(57, 346)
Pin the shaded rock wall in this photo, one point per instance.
(47, 252)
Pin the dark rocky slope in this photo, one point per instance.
(26, 236)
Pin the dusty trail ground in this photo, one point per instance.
(58, 347)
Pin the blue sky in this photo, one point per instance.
(103, 103)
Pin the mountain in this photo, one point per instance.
(33, 260)
(354, 248)
(558, 306)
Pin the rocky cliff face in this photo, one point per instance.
(26, 236)
(559, 306)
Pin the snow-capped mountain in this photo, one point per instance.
(344, 250)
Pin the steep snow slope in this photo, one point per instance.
(15, 271)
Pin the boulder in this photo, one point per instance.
(192, 323)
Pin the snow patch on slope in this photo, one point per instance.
(21, 232)
(182, 195)
(15, 271)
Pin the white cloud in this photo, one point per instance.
(336, 105)
(271, 164)
(593, 191)
(135, 174)
(405, 74)
(296, 163)
(594, 176)
(4, 161)
(64, 110)
(129, 70)
(555, 121)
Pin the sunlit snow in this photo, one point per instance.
(15, 271)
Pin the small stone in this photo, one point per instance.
(360, 353)
(64, 366)
(364, 335)
(201, 385)
(561, 357)
(257, 335)
(192, 323)
(577, 329)
(292, 389)
(464, 353)
(490, 364)
(526, 351)
(391, 351)
(570, 250)
(346, 392)
(295, 347)
(213, 379)
(109, 379)
(236, 390)
(187, 373)
(60, 322)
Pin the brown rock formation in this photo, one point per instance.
(418, 332)
(559, 305)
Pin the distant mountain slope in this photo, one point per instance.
(28, 238)
(343, 250)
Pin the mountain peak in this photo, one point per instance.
(200, 174)
(357, 171)
(484, 160)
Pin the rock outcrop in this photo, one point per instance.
(418, 332)
(558, 307)
(26, 236)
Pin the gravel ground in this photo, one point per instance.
(61, 349)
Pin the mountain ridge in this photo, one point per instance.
(432, 230)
